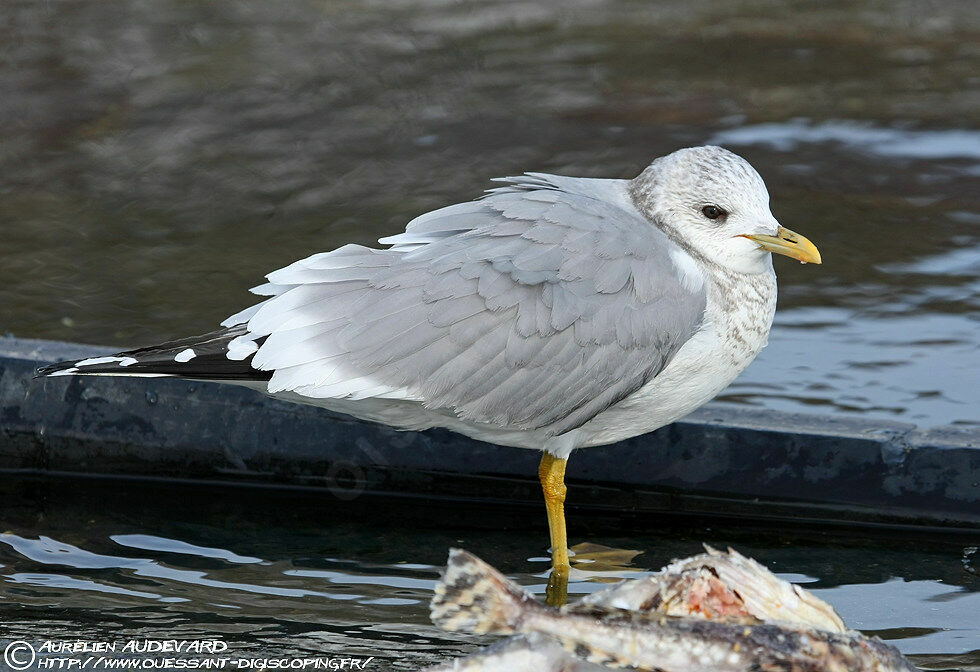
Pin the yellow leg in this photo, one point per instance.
(552, 475)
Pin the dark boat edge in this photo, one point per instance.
(718, 463)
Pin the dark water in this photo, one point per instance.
(296, 576)
(158, 157)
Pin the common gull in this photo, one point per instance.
(553, 313)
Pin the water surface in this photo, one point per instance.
(288, 575)
(160, 157)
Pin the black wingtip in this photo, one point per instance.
(203, 357)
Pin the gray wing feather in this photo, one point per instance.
(535, 307)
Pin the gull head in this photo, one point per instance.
(713, 203)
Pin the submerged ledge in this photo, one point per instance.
(719, 462)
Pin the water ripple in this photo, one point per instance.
(954, 143)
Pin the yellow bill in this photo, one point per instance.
(788, 243)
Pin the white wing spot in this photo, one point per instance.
(185, 355)
(92, 361)
(241, 347)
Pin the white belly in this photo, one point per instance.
(704, 366)
(700, 370)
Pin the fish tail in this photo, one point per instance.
(474, 597)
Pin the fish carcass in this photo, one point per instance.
(715, 611)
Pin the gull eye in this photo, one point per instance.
(713, 212)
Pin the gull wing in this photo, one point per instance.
(535, 307)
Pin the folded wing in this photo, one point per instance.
(536, 307)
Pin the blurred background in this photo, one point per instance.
(159, 157)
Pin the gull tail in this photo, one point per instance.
(474, 597)
(225, 354)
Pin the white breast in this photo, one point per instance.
(740, 311)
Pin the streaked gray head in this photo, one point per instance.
(707, 199)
